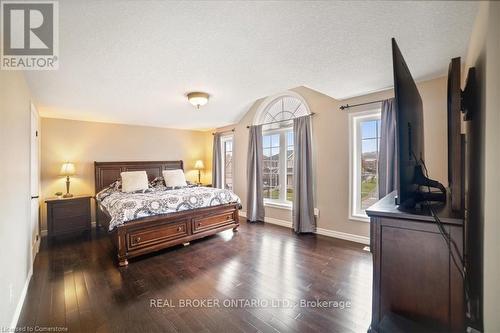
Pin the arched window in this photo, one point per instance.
(280, 108)
(276, 113)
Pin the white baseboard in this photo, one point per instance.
(282, 223)
(43, 233)
(343, 235)
(319, 231)
(20, 303)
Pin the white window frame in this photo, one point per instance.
(259, 119)
(355, 119)
(282, 202)
(223, 140)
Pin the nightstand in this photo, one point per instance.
(68, 215)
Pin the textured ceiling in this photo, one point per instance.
(133, 62)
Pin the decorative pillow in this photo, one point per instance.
(134, 181)
(116, 185)
(174, 178)
(156, 182)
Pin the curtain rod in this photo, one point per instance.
(231, 130)
(280, 121)
(347, 106)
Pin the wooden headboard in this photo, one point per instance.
(108, 172)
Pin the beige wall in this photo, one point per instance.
(331, 144)
(484, 55)
(15, 231)
(85, 142)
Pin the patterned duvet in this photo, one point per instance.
(124, 207)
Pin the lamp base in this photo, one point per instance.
(67, 195)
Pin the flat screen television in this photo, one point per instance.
(413, 185)
(456, 141)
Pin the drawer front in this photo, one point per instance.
(65, 225)
(212, 222)
(140, 238)
(71, 209)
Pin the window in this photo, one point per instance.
(277, 143)
(227, 161)
(278, 165)
(365, 141)
(289, 166)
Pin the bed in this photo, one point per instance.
(136, 237)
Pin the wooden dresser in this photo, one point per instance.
(68, 215)
(413, 273)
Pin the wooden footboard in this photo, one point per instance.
(155, 233)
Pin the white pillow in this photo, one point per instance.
(134, 181)
(174, 178)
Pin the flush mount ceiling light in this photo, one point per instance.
(198, 98)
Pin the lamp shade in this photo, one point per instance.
(199, 165)
(67, 169)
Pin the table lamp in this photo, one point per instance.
(67, 169)
(199, 166)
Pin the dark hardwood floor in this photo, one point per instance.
(77, 285)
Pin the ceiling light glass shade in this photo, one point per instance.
(67, 169)
(198, 98)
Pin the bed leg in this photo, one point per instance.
(186, 244)
(120, 242)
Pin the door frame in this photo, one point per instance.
(35, 237)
